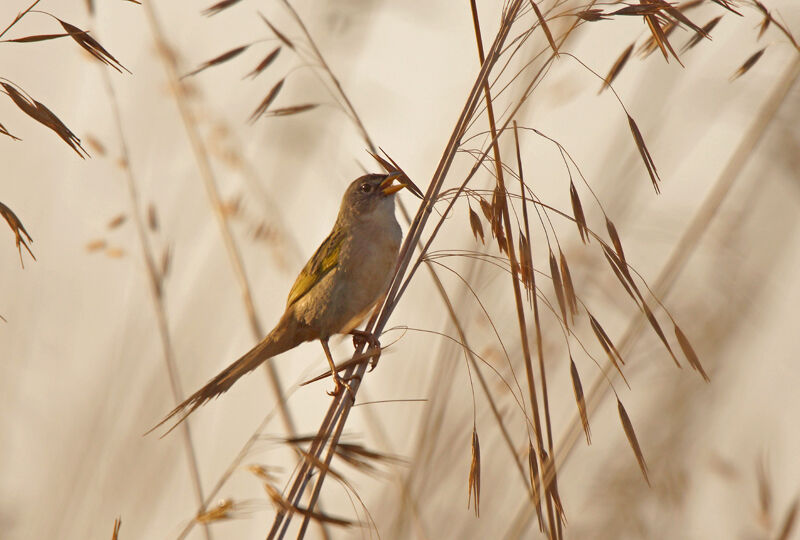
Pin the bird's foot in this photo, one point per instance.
(360, 338)
(341, 384)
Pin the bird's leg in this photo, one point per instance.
(334, 374)
(360, 337)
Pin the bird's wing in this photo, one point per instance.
(323, 261)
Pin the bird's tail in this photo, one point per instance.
(285, 336)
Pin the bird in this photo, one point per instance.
(336, 289)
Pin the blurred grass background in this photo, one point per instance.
(82, 375)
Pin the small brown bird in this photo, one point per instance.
(337, 288)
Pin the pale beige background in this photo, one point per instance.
(81, 368)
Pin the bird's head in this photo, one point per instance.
(371, 193)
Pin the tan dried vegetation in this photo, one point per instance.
(546, 295)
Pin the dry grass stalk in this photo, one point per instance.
(500, 208)
(210, 183)
(156, 286)
(475, 225)
(117, 527)
(219, 6)
(336, 417)
(631, 434)
(749, 63)
(89, 44)
(536, 483)
(544, 26)
(221, 511)
(619, 63)
(265, 63)
(116, 221)
(698, 37)
(39, 112)
(267, 101)
(579, 399)
(770, 19)
(278, 34)
(217, 60)
(21, 236)
(474, 482)
(787, 527)
(688, 352)
(295, 109)
(645, 153)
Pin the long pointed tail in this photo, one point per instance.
(285, 336)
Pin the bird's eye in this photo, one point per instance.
(365, 187)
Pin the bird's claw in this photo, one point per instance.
(360, 338)
(340, 383)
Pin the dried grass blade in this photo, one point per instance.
(152, 218)
(502, 243)
(219, 6)
(526, 264)
(486, 208)
(267, 101)
(661, 37)
(44, 116)
(608, 346)
(569, 289)
(296, 109)
(533, 468)
(116, 221)
(577, 387)
(265, 63)
(558, 286)
(727, 5)
(474, 488)
(749, 63)
(645, 153)
(688, 352)
(650, 45)
(698, 37)
(117, 527)
(634, 442)
(219, 512)
(222, 58)
(545, 28)
(616, 68)
(764, 26)
(615, 240)
(657, 328)
(612, 261)
(592, 15)
(679, 16)
(475, 225)
(5, 132)
(20, 233)
(278, 34)
(391, 166)
(91, 45)
(552, 486)
(33, 39)
(577, 211)
(788, 522)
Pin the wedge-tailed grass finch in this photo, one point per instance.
(338, 287)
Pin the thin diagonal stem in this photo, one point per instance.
(333, 424)
(155, 282)
(523, 328)
(210, 183)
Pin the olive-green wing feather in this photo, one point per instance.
(323, 261)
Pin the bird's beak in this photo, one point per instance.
(387, 187)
